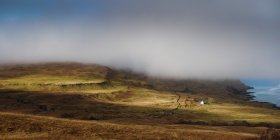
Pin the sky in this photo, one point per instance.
(173, 39)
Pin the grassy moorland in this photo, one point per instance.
(85, 101)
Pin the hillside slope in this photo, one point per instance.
(73, 100)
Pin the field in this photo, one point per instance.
(87, 101)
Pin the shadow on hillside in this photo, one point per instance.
(82, 107)
(78, 106)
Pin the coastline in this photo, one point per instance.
(252, 98)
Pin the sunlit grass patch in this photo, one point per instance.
(241, 112)
(50, 79)
(52, 83)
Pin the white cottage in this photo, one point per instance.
(201, 102)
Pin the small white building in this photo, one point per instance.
(201, 102)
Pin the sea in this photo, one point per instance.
(265, 90)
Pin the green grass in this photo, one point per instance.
(136, 96)
(243, 112)
(40, 82)
(84, 92)
(50, 79)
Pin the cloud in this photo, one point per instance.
(168, 39)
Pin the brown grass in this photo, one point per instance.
(82, 101)
(37, 127)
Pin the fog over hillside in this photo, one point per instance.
(173, 39)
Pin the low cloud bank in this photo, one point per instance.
(166, 43)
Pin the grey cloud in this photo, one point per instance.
(180, 39)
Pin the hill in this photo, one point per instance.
(89, 101)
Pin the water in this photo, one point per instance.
(265, 90)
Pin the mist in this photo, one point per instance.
(170, 39)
